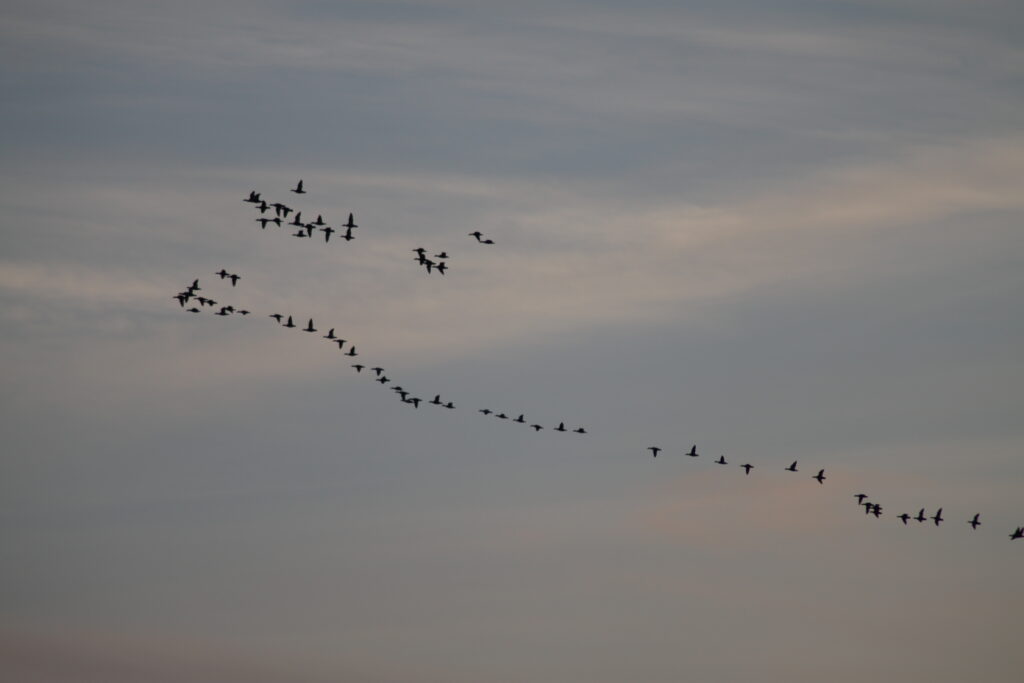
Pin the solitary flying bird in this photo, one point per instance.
(792, 468)
(654, 449)
(820, 476)
(693, 452)
(298, 188)
(974, 522)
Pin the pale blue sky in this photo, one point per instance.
(781, 230)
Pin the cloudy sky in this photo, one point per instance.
(785, 230)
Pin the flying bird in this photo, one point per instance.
(904, 517)
(351, 223)
(327, 233)
(580, 430)
(289, 323)
(253, 198)
(920, 516)
(234, 279)
(537, 428)
(792, 468)
(974, 522)
(721, 460)
(358, 367)
(747, 468)
(1019, 533)
(653, 449)
(330, 334)
(560, 427)
(485, 411)
(693, 452)
(309, 327)
(820, 476)
(860, 497)
(298, 188)
(938, 517)
(222, 272)
(351, 352)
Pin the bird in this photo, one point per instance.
(223, 311)
(299, 233)
(1019, 533)
(351, 352)
(520, 419)
(414, 401)
(920, 516)
(348, 235)
(792, 468)
(877, 510)
(421, 251)
(358, 367)
(560, 427)
(820, 476)
(488, 241)
(449, 405)
(351, 223)
(383, 379)
(974, 522)
(441, 267)
(693, 452)
(289, 323)
(182, 298)
(281, 210)
(330, 334)
(501, 416)
(222, 272)
(319, 220)
(485, 411)
(262, 208)
(477, 235)
(192, 310)
(327, 230)
(537, 428)
(194, 287)
(263, 222)
(580, 430)
(253, 198)
(443, 254)
(437, 400)
(309, 229)
(298, 220)
(309, 327)
(721, 460)
(860, 497)
(938, 517)
(747, 468)
(276, 316)
(298, 188)
(904, 517)
(653, 449)
(378, 371)
(234, 279)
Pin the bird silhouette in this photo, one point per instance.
(560, 427)
(309, 327)
(693, 452)
(330, 334)
(449, 405)
(537, 428)
(351, 223)
(747, 468)
(820, 476)
(654, 450)
(477, 235)
(234, 279)
(253, 198)
(327, 231)
(358, 367)
(1019, 533)
(721, 460)
(485, 411)
(938, 517)
(298, 188)
(520, 419)
(580, 430)
(920, 516)
(222, 272)
(974, 521)
(905, 517)
(443, 254)
(289, 323)
(860, 497)
(377, 371)
(351, 351)
(792, 468)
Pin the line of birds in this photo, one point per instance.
(189, 293)
(870, 508)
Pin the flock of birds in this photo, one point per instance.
(379, 375)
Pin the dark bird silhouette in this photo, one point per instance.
(477, 235)
(487, 241)
(194, 287)
(792, 468)
(560, 427)
(693, 452)
(298, 220)
(289, 323)
(383, 379)
(485, 411)
(262, 208)
(520, 420)
(309, 229)
(414, 401)
(263, 222)
(904, 517)
(501, 416)
(422, 252)
(330, 334)
(441, 267)
(351, 352)
(319, 220)
(192, 310)
(276, 316)
(442, 255)
(580, 430)
(436, 400)
(299, 233)
(234, 279)
(298, 188)
(222, 272)
(378, 371)
(339, 342)
(327, 231)
(820, 476)
(358, 367)
(223, 311)
(654, 450)
(938, 517)
(351, 223)
(348, 237)
(721, 460)
(537, 428)
(309, 327)
(920, 516)
(860, 497)
(182, 298)
(747, 468)
(974, 522)
(281, 210)
(1019, 533)
(876, 510)
(449, 405)
(253, 198)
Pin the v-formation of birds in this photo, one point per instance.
(439, 265)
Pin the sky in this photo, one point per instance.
(784, 230)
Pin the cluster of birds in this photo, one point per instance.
(306, 230)
(189, 293)
(870, 508)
